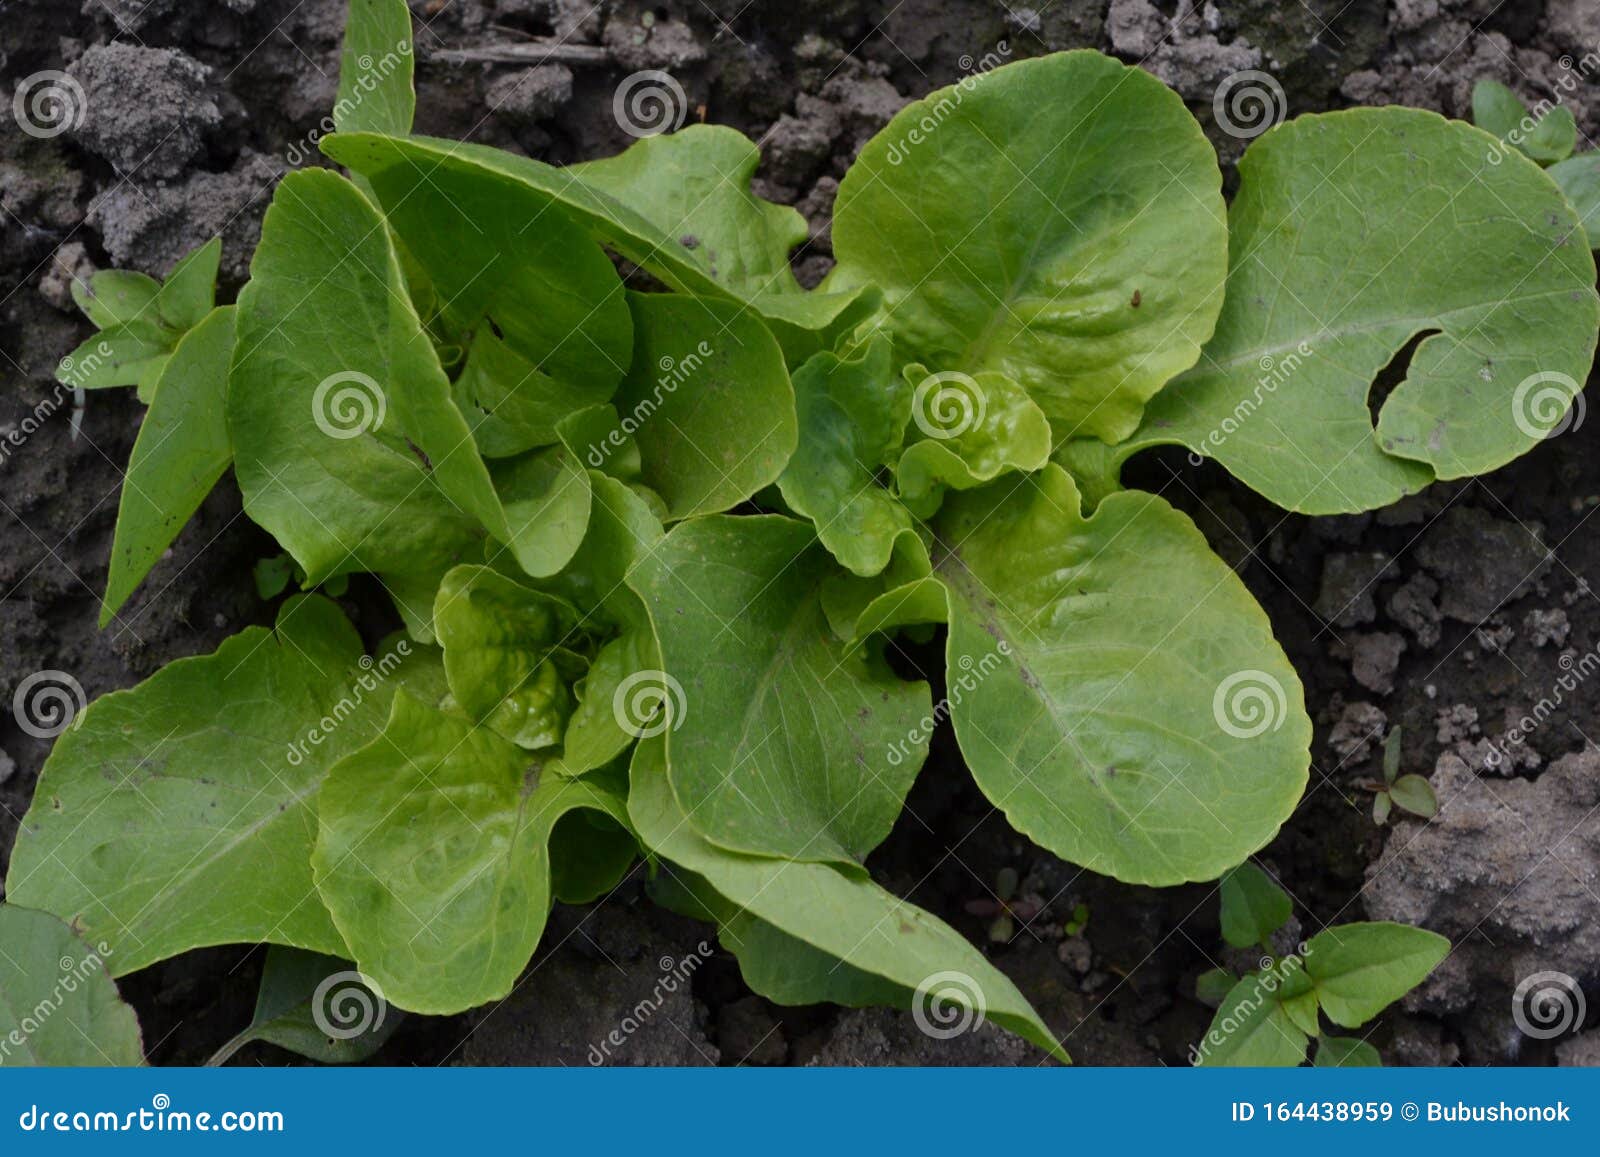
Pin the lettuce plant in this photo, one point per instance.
(650, 513)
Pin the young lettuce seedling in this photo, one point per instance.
(648, 547)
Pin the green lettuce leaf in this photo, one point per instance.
(1120, 695)
(433, 855)
(862, 943)
(181, 452)
(1080, 253)
(375, 69)
(58, 1006)
(782, 741)
(1353, 234)
(181, 813)
(852, 415)
(1579, 179)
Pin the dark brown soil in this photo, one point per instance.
(1451, 615)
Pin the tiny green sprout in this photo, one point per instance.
(1077, 922)
(1410, 793)
(1006, 907)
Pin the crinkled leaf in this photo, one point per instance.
(1057, 220)
(852, 415)
(842, 916)
(499, 641)
(1579, 179)
(605, 218)
(375, 69)
(1354, 233)
(1131, 710)
(622, 530)
(1344, 1052)
(708, 400)
(318, 1007)
(1253, 907)
(974, 429)
(181, 452)
(694, 185)
(181, 813)
(1252, 1030)
(340, 417)
(511, 405)
(58, 1006)
(433, 855)
(782, 740)
(1361, 969)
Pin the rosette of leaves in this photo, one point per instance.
(650, 536)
